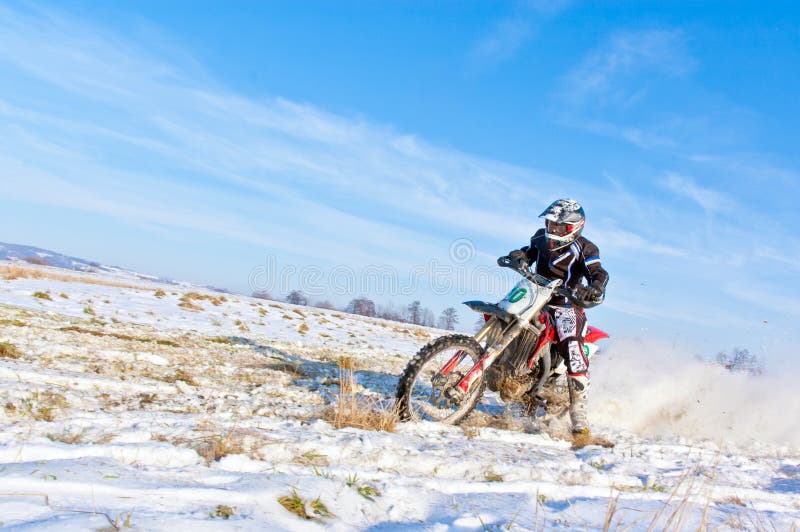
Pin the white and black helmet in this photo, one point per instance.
(563, 222)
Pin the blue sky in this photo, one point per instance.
(201, 140)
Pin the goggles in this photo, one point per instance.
(558, 229)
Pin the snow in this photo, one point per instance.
(165, 418)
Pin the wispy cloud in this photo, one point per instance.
(129, 130)
(503, 40)
(603, 75)
(508, 35)
(710, 200)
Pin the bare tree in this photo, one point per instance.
(448, 319)
(428, 320)
(325, 304)
(361, 306)
(296, 297)
(262, 295)
(741, 360)
(414, 313)
(390, 312)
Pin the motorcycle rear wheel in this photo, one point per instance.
(419, 397)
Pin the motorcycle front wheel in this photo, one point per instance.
(424, 393)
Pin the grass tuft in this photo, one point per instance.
(310, 511)
(217, 447)
(353, 411)
(295, 504)
(311, 459)
(223, 512)
(42, 295)
(14, 322)
(8, 350)
(367, 491)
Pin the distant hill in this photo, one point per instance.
(46, 257)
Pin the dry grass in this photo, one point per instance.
(311, 459)
(43, 406)
(22, 272)
(490, 476)
(188, 305)
(353, 411)
(292, 368)
(223, 512)
(70, 438)
(611, 509)
(42, 295)
(189, 301)
(93, 332)
(8, 350)
(312, 510)
(14, 322)
(159, 293)
(303, 329)
(180, 374)
(216, 447)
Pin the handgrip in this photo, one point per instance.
(570, 295)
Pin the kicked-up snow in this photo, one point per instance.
(164, 407)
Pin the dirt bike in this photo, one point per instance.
(513, 354)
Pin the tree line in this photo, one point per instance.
(413, 313)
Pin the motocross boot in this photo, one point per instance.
(578, 400)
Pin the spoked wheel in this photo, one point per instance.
(427, 388)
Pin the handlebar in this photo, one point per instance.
(521, 267)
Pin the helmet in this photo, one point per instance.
(563, 222)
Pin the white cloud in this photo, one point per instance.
(710, 200)
(508, 35)
(602, 75)
(503, 40)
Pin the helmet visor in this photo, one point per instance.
(558, 229)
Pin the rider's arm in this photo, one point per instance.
(529, 253)
(596, 276)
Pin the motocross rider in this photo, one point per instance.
(560, 252)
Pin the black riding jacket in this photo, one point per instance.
(581, 259)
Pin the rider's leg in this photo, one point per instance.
(570, 323)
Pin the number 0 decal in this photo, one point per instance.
(517, 294)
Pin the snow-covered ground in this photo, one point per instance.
(120, 407)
